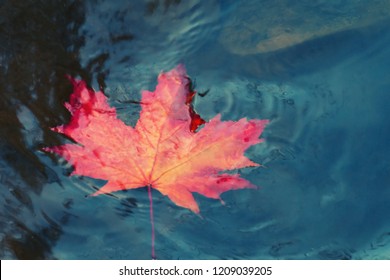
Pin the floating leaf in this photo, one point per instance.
(170, 149)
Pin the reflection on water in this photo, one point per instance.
(40, 45)
(324, 186)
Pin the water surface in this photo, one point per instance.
(318, 70)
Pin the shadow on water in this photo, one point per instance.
(39, 46)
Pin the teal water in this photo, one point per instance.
(318, 70)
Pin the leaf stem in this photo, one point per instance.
(151, 219)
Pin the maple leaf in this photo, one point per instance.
(166, 150)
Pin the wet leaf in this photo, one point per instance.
(170, 149)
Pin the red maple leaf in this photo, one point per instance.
(167, 150)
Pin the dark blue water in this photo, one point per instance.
(319, 70)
